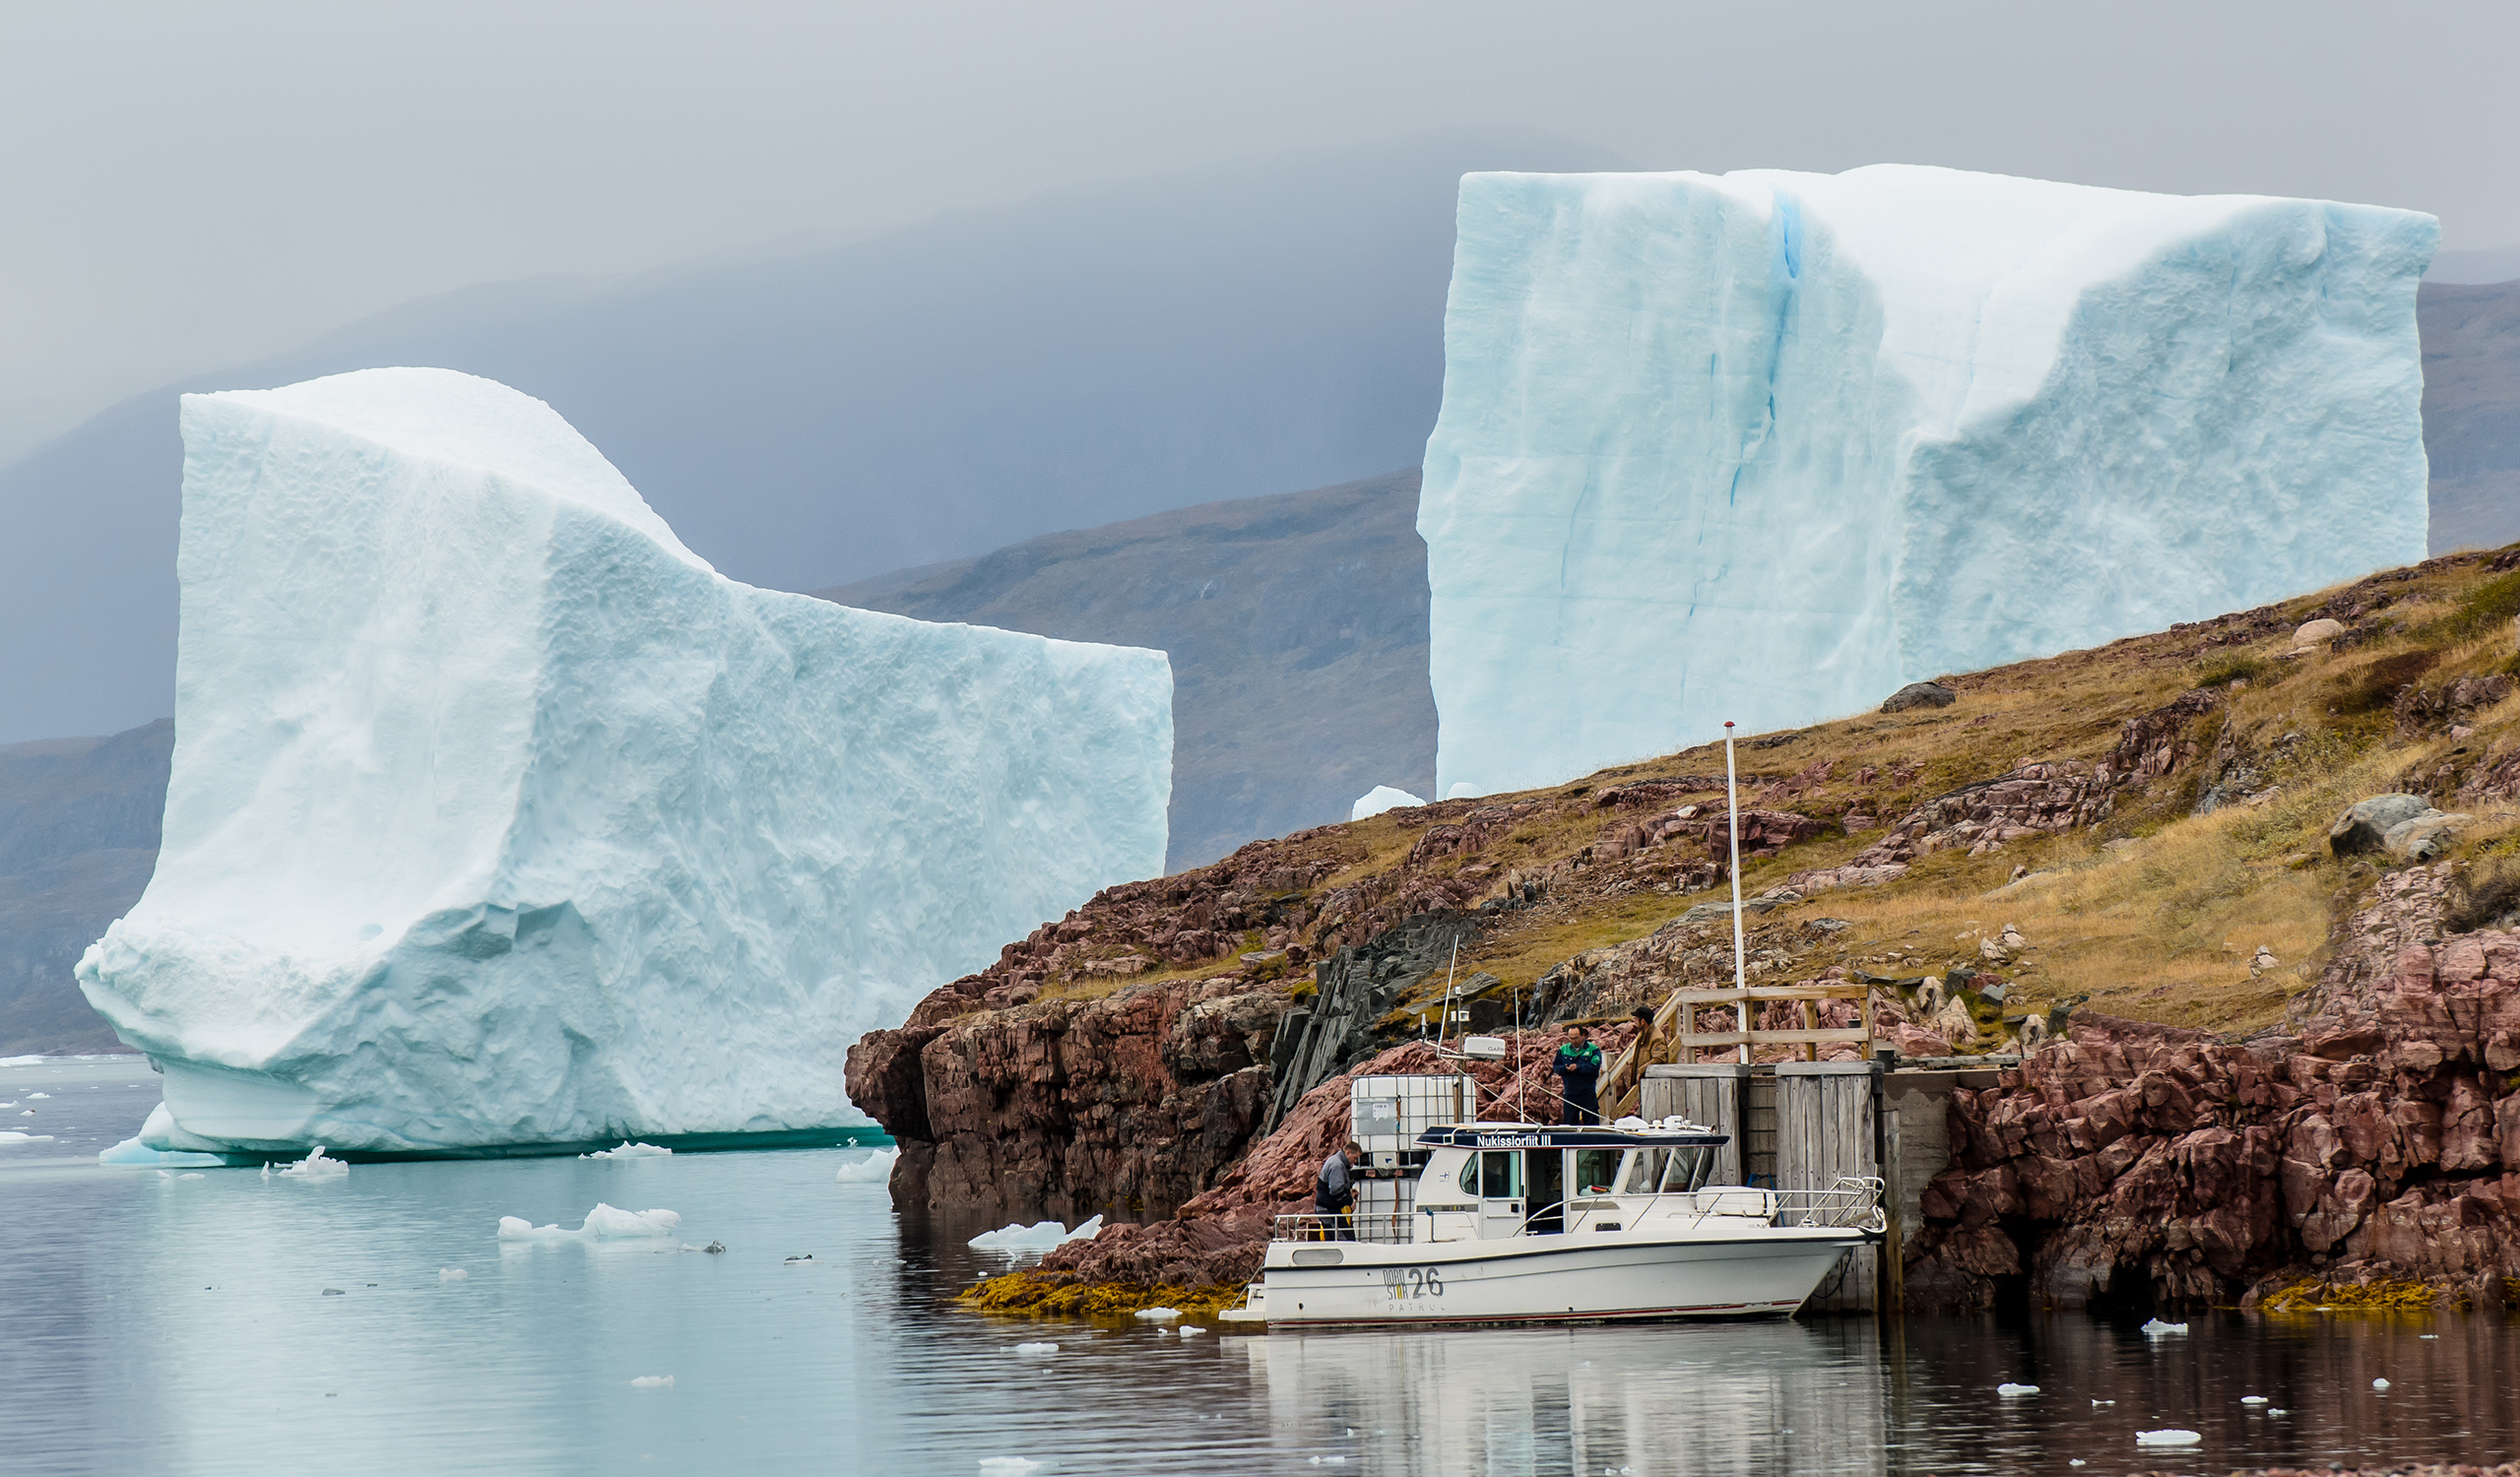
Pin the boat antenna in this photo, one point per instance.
(1732, 823)
(1449, 966)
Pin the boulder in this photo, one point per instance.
(2365, 824)
(2423, 837)
(2312, 633)
(1920, 695)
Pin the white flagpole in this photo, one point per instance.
(1733, 818)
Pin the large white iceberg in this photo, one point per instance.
(1765, 446)
(499, 818)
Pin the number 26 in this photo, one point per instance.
(1425, 1282)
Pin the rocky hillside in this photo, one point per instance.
(2128, 857)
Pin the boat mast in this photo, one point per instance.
(1732, 823)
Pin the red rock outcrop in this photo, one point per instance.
(2146, 1162)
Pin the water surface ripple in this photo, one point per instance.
(151, 1322)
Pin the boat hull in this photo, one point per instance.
(1576, 1277)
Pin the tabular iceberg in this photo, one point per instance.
(1767, 446)
(499, 819)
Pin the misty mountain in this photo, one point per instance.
(2472, 412)
(1297, 630)
(1086, 357)
(79, 826)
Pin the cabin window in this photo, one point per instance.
(1644, 1172)
(1596, 1171)
(1495, 1175)
(1689, 1168)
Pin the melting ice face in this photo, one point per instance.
(1765, 446)
(499, 818)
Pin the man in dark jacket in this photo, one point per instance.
(1578, 1067)
(1334, 1191)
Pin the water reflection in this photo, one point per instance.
(149, 1322)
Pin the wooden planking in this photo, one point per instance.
(1712, 1099)
(1825, 1131)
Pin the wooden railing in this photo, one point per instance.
(1678, 1016)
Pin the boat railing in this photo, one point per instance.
(1852, 1204)
(1383, 1229)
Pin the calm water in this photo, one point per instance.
(157, 1323)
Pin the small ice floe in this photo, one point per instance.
(1329, 1461)
(2253, 1399)
(34, 1097)
(1040, 1236)
(2076, 1462)
(875, 1169)
(630, 1150)
(1036, 1349)
(189, 1174)
(314, 1166)
(2170, 1438)
(2428, 1336)
(653, 1382)
(1008, 1466)
(1192, 1331)
(1163, 1333)
(2379, 1384)
(603, 1223)
(452, 1274)
(2103, 1402)
(335, 1292)
(2276, 1410)
(2156, 1328)
(2010, 1390)
(12, 1135)
(1157, 1315)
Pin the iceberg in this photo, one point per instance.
(1380, 798)
(499, 818)
(603, 1223)
(1765, 446)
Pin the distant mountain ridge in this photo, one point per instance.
(79, 829)
(1297, 629)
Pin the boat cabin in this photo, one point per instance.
(1490, 1180)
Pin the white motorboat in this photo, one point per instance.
(1524, 1223)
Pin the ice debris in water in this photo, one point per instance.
(2172, 1437)
(1008, 1466)
(492, 870)
(1159, 1312)
(2103, 1402)
(189, 1174)
(2379, 1384)
(1921, 382)
(875, 1169)
(2155, 1328)
(2017, 1390)
(630, 1150)
(2253, 1399)
(1039, 1236)
(33, 1096)
(653, 1382)
(1037, 1348)
(1191, 1330)
(2076, 1462)
(315, 1166)
(12, 1135)
(452, 1274)
(603, 1223)
(1380, 798)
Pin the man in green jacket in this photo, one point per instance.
(1577, 1068)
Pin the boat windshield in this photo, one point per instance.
(1597, 1170)
(1651, 1169)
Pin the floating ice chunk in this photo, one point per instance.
(630, 1150)
(1163, 1333)
(22, 1060)
(612, 845)
(315, 1166)
(1159, 1312)
(2253, 1399)
(1008, 1466)
(2076, 1462)
(1191, 1330)
(1039, 1236)
(653, 1382)
(35, 1096)
(452, 1274)
(2379, 1384)
(189, 1174)
(2172, 1437)
(1380, 798)
(1036, 1348)
(2155, 1328)
(2016, 1389)
(875, 1169)
(1765, 446)
(603, 1223)
(2103, 1402)
(2276, 1410)
(12, 1135)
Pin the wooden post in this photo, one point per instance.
(1709, 1093)
(1893, 1253)
(1825, 1129)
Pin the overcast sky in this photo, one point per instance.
(189, 186)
